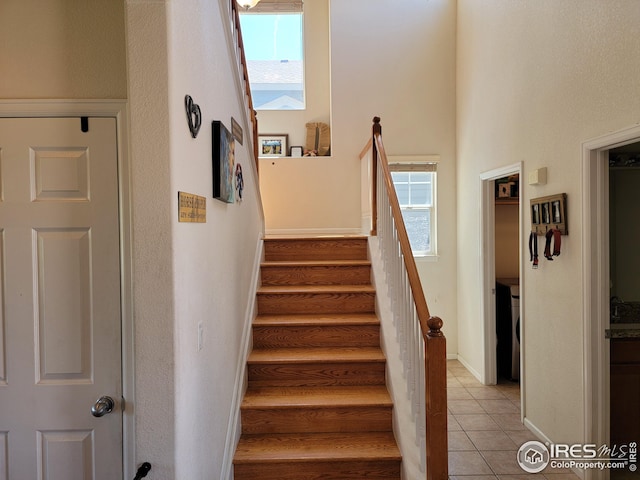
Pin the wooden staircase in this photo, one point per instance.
(316, 406)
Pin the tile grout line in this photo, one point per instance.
(489, 457)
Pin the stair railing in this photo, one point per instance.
(422, 343)
(242, 62)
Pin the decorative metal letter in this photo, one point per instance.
(194, 116)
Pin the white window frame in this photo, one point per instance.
(408, 166)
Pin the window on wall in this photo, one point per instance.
(416, 189)
(273, 39)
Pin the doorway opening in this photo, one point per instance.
(597, 261)
(501, 188)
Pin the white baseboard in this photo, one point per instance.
(536, 431)
(452, 356)
(234, 426)
(546, 440)
(472, 370)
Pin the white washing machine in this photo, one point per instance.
(515, 329)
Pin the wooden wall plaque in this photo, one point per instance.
(192, 208)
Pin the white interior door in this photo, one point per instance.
(60, 334)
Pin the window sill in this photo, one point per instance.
(426, 258)
(301, 158)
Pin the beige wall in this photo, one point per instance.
(310, 195)
(62, 49)
(535, 80)
(507, 242)
(402, 68)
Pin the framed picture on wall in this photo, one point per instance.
(274, 145)
(223, 160)
(556, 211)
(546, 213)
(535, 213)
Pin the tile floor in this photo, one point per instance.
(485, 431)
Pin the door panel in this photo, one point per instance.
(3, 372)
(60, 345)
(63, 301)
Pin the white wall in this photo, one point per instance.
(535, 79)
(317, 88)
(398, 62)
(185, 274)
(401, 67)
(213, 265)
(309, 195)
(152, 224)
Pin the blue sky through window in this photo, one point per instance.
(272, 37)
(273, 47)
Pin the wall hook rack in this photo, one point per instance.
(549, 213)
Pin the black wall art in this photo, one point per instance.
(223, 163)
(194, 115)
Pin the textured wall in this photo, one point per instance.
(185, 275)
(213, 262)
(62, 49)
(536, 79)
(153, 277)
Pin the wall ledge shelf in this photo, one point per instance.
(508, 201)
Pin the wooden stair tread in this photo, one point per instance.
(311, 289)
(328, 447)
(318, 248)
(316, 263)
(311, 238)
(315, 355)
(316, 406)
(313, 397)
(316, 320)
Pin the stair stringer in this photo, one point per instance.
(234, 427)
(404, 425)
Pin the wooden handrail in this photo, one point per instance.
(405, 246)
(245, 73)
(434, 340)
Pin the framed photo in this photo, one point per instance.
(223, 162)
(546, 213)
(273, 145)
(296, 151)
(556, 211)
(535, 213)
